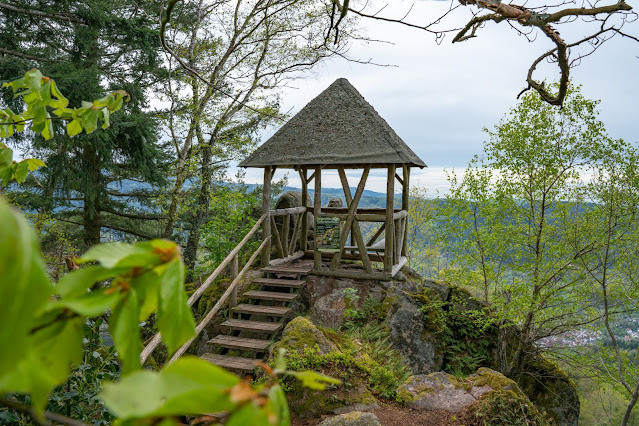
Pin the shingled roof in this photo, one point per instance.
(338, 127)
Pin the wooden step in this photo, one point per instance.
(241, 343)
(275, 311)
(280, 282)
(286, 270)
(231, 362)
(256, 326)
(271, 295)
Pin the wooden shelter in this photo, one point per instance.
(339, 130)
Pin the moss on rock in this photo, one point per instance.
(552, 390)
(300, 334)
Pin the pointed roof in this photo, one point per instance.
(338, 127)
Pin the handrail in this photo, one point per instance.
(148, 349)
(214, 310)
(290, 210)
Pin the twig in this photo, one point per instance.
(25, 409)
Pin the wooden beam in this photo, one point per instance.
(377, 234)
(317, 261)
(276, 236)
(297, 255)
(310, 179)
(401, 182)
(344, 210)
(356, 232)
(266, 208)
(396, 241)
(390, 228)
(402, 262)
(285, 231)
(353, 274)
(290, 210)
(235, 267)
(348, 256)
(405, 206)
(296, 231)
(304, 229)
(351, 215)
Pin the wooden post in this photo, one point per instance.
(266, 208)
(296, 231)
(405, 206)
(317, 261)
(286, 223)
(235, 267)
(276, 236)
(350, 218)
(390, 228)
(304, 229)
(356, 232)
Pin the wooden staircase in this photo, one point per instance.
(253, 326)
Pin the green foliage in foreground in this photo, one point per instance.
(46, 338)
(41, 98)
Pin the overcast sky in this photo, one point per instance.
(438, 98)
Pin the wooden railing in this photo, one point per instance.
(287, 240)
(231, 292)
(285, 244)
(389, 249)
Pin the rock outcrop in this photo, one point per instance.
(302, 340)
(411, 335)
(355, 418)
(487, 394)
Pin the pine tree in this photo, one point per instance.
(90, 47)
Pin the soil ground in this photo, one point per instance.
(393, 415)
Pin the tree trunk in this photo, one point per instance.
(202, 207)
(91, 210)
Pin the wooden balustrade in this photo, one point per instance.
(233, 260)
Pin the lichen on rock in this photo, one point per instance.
(355, 418)
(486, 395)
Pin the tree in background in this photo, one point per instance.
(90, 47)
(227, 60)
(522, 223)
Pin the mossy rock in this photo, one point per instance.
(552, 390)
(300, 334)
(486, 396)
(308, 403)
(355, 418)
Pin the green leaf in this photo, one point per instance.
(92, 304)
(175, 318)
(278, 405)
(148, 287)
(20, 171)
(249, 414)
(48, 132)
(187, 386)
(313, 380)
(47, 364)
(90, 120)
(63, 102)
(24, 287)
(5, 174)
(33, 79)
(35, 164)
(78, 282)
(110, 254)
(105, 117)
(6, 156)
(74, 127)
(123, 325)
